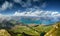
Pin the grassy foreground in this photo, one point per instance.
(40, 30)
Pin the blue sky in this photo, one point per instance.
(11, 6)
(46, 10)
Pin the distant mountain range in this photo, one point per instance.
(31, 19)
(36, 20)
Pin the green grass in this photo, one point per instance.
(40, 30)
(55, 31)
(35, 31)
(25, 29)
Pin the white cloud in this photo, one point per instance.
(29, 3)
(26, 4)
(37, 13)
(10, 5)
(55, 13)
(19, 14)
(44, 5)
(6, 5)
(4, 17)
(17, 1)
(49, 16)
(23, 4)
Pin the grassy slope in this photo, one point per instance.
(27, 30)
(55, 31)
(4, 33)
(51, 30)
(42, 28)
(35, 31)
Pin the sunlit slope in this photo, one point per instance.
(25, 29)
(31, 30)
(4, 33)
(55, 31)
(42, 28)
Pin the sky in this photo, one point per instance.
(47, 10)
(14, 7)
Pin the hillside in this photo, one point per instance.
(3, 32)
(55, 31)
(31, 30)
(34, 30)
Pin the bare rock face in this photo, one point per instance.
(3, 32)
